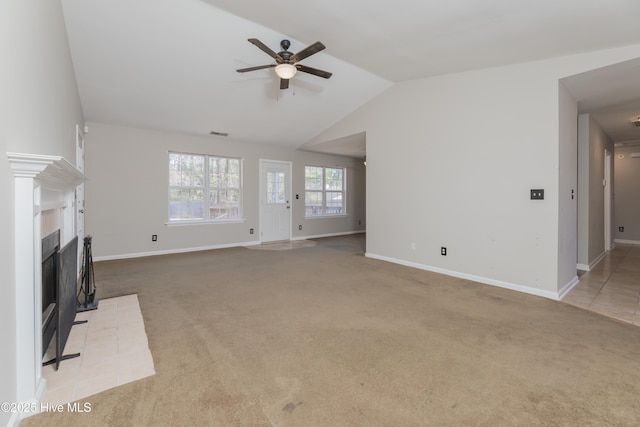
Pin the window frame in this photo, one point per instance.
(206, 188)
(324, 190)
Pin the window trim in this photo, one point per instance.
(324, 192)
(206, 189)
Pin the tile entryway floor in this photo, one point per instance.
(612, 287)
(113, 351)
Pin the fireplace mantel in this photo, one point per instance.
(55, 175)
(41, 182)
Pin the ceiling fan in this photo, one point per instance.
(287, 62)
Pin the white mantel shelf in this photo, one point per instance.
(55, 177)
(53, 171)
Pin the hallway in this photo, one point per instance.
(612, 287)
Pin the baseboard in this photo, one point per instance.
(320, 236)
(567, 287)
(479, 279)
(583, 267)
(628, 242)
(207, 248)
(34, 404)
(173, 251)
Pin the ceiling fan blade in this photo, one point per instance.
(259, 67)
(284, 83)
(314, 71)
(307, 52)
(263, 47)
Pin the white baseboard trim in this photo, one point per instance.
(584, 267)
(207, 248)
(597, 260)
(173, 251)
(567, 287)
(320, 236)
(35, 404)
(629, 242)
(512, 286)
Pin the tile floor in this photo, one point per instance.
(612, 287)
(113, 351)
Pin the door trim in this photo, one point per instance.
(608, 178)
(262, 185)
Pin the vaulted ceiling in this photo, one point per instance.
(170, 64)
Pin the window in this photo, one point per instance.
(324, 193)
(204, 188)
(276, 192)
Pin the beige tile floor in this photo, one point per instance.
(113, 351)
(612, 287)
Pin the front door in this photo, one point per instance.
(275, 196)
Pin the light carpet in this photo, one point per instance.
(327, 337)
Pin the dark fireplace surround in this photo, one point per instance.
(50, 260)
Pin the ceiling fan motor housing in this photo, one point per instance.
(285, 54)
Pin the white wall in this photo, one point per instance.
(592, 141)
(627, 195)
(126, 194)
(39, 109)
(451, 162)
(470, 155)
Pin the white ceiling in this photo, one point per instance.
(170, 64)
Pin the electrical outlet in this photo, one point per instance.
(300, 227)
(154, 237)
(443, 251)
(537, 194)
(359, 222)
(251, 231)
(621, 229)
(413, 246)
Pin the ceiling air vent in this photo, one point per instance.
(213, 132)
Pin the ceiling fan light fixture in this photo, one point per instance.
(286, 71)
(636, 122)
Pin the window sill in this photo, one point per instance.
(209, 222)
